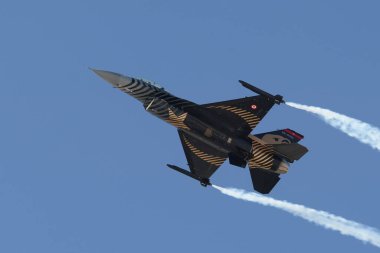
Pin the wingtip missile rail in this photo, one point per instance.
(204, 181)
(278, 99)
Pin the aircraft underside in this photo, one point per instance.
(212, 133)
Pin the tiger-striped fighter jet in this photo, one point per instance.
(212, 133)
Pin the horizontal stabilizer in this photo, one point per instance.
(263, 180)
(291, 151)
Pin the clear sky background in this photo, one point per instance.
(82, 166)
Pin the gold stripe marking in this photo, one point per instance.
(177, 121)
(214, 160)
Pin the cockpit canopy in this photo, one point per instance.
(151, 83)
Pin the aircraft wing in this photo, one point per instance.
(203, 159)
(241, 115)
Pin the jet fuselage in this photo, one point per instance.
(211, 133)
(180, 113)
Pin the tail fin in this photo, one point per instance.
(284, 143)
(284, 136)
(272, 153)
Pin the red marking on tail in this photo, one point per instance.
(292, 133)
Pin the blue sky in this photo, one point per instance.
(82, 166)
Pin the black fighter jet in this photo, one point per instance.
(211, 133)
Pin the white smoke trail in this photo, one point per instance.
(322, 218)
(355, 128)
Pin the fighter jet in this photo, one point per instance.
(212, 133)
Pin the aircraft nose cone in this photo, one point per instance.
(111, 77)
